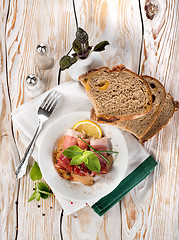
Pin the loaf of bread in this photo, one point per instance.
(164, 115)
(117, 94)
(141, 125)
(123, 99)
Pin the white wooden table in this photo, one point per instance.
(144, 36)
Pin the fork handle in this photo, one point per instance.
(22, 166)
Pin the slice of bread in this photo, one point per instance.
(117, 94)
(141, 125)
(162, 119)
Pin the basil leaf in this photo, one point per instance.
(100, 46)
(33, 196)
(86, 155)
(35, 173)
(93, 163)
(66, 62)
(72, 151)
(44, 192)
(37, 195)
(76, 160)
(43, 187)
(85, 159)
(81, 35)
(44, 196)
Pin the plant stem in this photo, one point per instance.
(69, 51)
(75, 14)
(105, 151)
(59, 73)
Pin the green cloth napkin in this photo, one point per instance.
(139, 173)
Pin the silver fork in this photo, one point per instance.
(44, 112)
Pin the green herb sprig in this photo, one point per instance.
(78, 156)
(81, 48)
(41, 189)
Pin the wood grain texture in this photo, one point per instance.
(8, 151)
(150, 211)
(31, 23)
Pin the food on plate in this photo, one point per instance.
(141, 125)
(88, 127)
(79, 157)
(117, 94)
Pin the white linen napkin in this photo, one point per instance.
(25, 120)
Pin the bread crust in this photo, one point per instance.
(160, 108)
(144, 139)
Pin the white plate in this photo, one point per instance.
(73, 190)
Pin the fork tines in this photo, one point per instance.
(50, 101)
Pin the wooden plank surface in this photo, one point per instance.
(148, 212)
(8, 150)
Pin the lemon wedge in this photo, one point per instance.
(89, 128)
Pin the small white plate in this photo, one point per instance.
(73, 190)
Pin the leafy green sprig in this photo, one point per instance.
(41, 189)
(78, 156)
(81, 48)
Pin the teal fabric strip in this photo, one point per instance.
(127, 184)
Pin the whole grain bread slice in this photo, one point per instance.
(117, 94)
(162, 119)
(141, 125)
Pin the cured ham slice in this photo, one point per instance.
(101, 144)
(64, 163)
(80, 173)
(71, 138)
(82, 144)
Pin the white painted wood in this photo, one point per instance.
(8, 151)
(150, 211)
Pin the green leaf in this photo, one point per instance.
(43, 187)
(43, 190)
(77, 160)
(100, 46)
(72, 151)
(81, 35)
(66, 62)
(37, 195)
(85, 159)
(93, 163)
(33, 196)
(77, 46)
(35, 173)
(87, 155)
(44, 196)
